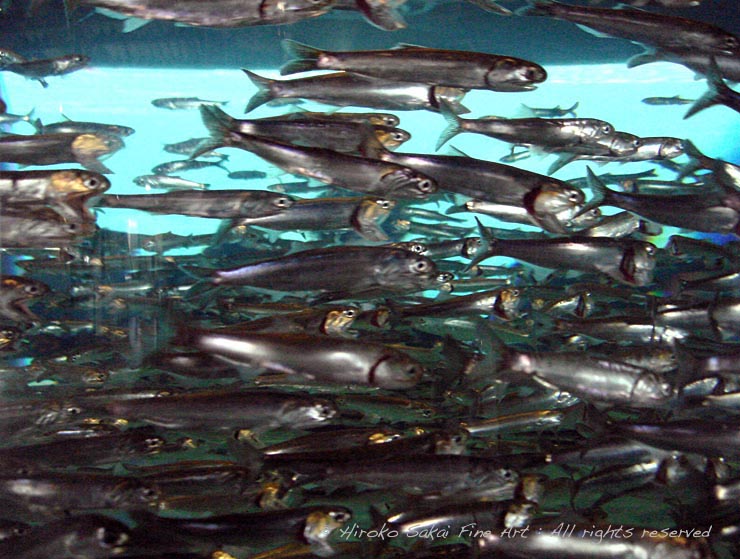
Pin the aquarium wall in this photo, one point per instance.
(250, 312)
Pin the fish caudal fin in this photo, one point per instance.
(305, 57)
(454, 124)
(219, 124)
(264, 91)
(717, 88)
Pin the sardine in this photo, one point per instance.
(349, 270)
(351, 90)
(625, 260)
(319, 359)
(649, 28)
(40, 69)
(51, 149)
(15, 294)
(216, 13)
(227, 410)
(352, 172)
(463, 69)
(220, 204)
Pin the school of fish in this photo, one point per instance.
(388, 386)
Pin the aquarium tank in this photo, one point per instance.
(369, 278)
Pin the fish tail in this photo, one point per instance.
(487, 245)
(647, 57)
(219, 124)
(536, 8)
(717, 88)
(491, 6)
(305, 57)
(264, 91)
(454, 123)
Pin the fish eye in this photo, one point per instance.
(515, 292)
(74, 410)
(637, 142)
(397, 136)
(148, 493)
(91, 182)
(283, 202)
(507, 474)
(32, 289)
(425, 185)
(349, 313)
(411, 372)
(384, 204)
(420, 266)
(340, 516)
(730, 43)
(574, 197)
(607, 129)
(154, 443)
(325, 410)
(110, 538)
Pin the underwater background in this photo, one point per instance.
(119, 299)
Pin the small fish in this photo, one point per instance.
(15, 293)
(462, 69)
(345, 89)
(51, 149)
(186, 165)
(310, 358)
(168, 182)
(553, 112)
(352, 172)
(641, 26)
(64, 191)
(76, 127)
(215, 13)
(219, 204)
(549, 134)
(247, 175)
(355, 270)
(336, 134)
(625, 260)
(41, 232)
(675, 100)
(185, 103)
(40, 69)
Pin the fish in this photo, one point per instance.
(626, 260)
(215, 13)
(697, 61)
(51, 149)
(351, 90)
(227, 410)
(316, 359)
(247, 175)
(38, 232)
(549, 112)
(185, 103)
(331, 133)
(90, 536)
(352, 172)
(549, 134)
(364, 215)
(641, 26)
(64, 191)
(219, 204)
(704, 211)
(661, 101)
(168, 182)
(68, 126)
(15, 294)
(349, 270)
(459, 69)
(190, 164)
(44, 68)
(549, 202)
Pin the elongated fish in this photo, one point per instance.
(351, 90)
(649, 28)
(463, 69)
(352, 172)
